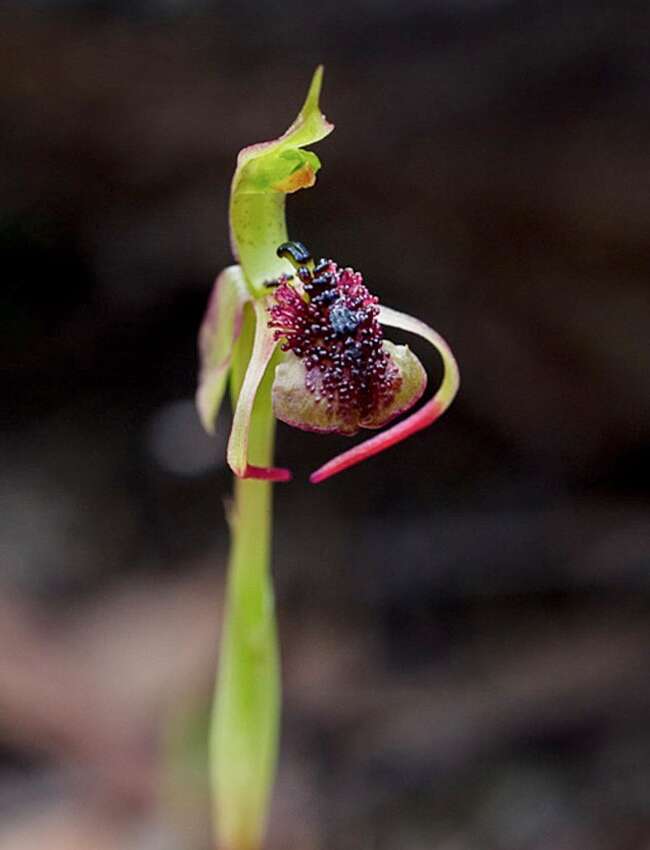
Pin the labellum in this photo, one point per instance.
(338, 374)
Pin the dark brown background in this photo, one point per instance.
(465, 619)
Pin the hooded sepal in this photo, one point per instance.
(266, 172)
(219, 331)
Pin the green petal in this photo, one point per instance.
(220, 328)
(295, 405)
(265, 174)
(237, 454)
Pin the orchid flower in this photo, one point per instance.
(298, 340)
(334, 371)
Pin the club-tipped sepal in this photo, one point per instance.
(267, 473)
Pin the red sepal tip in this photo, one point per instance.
(266, 473)
(416, 422)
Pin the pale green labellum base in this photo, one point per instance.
(294, 404)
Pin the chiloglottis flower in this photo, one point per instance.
(318, 331)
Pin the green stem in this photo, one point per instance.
(245, 719)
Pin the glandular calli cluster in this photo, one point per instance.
(325, 317)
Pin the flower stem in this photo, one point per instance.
(245, 718)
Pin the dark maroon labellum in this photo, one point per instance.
(329, 321)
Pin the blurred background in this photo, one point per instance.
(465, 619)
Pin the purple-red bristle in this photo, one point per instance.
(335, 330)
